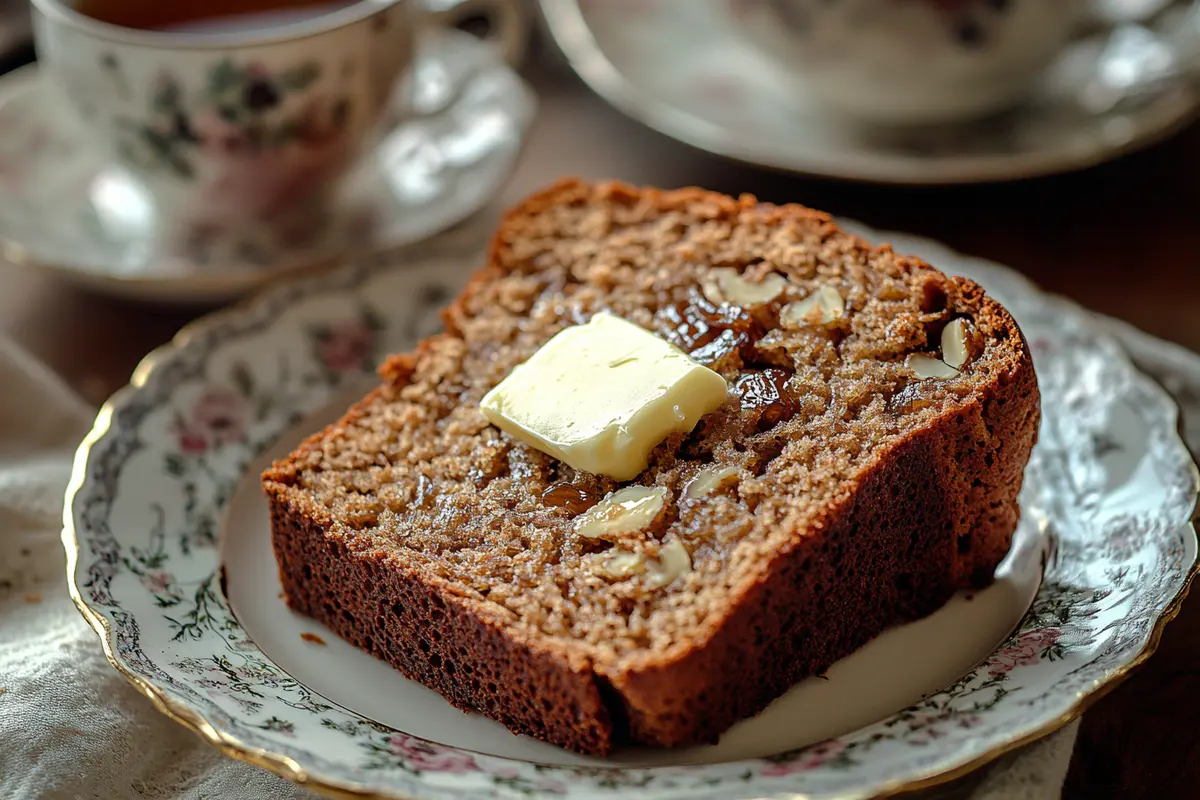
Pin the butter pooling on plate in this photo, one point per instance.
(601, 396)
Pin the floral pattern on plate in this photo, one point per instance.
(1110, 478)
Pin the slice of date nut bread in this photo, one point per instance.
(864, 466)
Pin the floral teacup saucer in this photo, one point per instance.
(65, 207)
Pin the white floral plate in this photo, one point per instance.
(680, 67)
(63, 207)
(169, 464)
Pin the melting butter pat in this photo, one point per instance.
(601, 396)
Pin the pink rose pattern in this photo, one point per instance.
(345, 346)
(1025, 650)
(271, 181)
(424, 756)
(549, 786)
(218, 417)
(191, 442)
(808, 759)
(157, 581)
(275, 135)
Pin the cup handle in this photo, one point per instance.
(508, 22)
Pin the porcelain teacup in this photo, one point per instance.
(235, 127)
(912, 61)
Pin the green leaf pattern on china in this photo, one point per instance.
(242, 110)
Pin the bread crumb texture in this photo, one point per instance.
(854, 494)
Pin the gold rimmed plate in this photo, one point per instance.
(168, 559)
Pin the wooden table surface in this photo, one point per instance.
(1122, 239)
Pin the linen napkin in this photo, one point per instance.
(71, 726)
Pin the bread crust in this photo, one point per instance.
(933, 513)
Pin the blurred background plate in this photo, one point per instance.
(679, 67)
